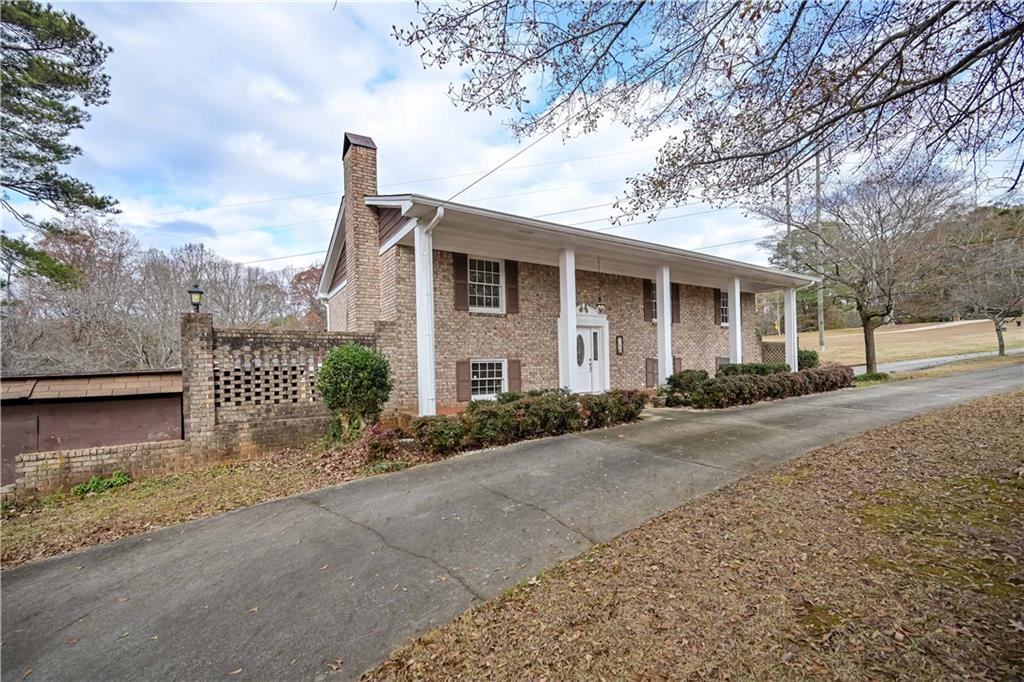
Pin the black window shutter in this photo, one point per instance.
(511, 287)
(675, 303)
(648, 294)
(460, 270)
(463, 387)
(515, 375)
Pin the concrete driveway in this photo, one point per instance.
(337, 578)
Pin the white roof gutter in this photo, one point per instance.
(408, 202)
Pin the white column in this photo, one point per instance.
(426, 377)
(735, 322)
(663, 305)
(567, 316)
(790, 319)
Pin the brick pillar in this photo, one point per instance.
(197, 377)
(362, 250)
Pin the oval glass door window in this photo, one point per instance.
(580, 350)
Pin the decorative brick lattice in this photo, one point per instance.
(773, 351)
(260, 374)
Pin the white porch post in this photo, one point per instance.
(735, 322)
(663, 299)
(426, 377)
(567, 315)
(790, 320)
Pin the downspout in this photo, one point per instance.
(438, 214)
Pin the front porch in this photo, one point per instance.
(579, 318)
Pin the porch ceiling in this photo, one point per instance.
(481, 232)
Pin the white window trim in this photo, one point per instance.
(725, 307)
(500, 310)
(504, 377)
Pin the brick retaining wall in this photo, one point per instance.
(244, 393)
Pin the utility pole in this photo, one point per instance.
(817, 222)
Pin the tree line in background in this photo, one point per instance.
(79, 294)
(121, 308)
(899, 243)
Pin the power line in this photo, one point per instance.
(404, 182)
(252, 229)
(610, 227)
(650, 222)
(292, 255)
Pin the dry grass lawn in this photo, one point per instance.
(909, 341)
(975, 365)
(35, 528)
(897, 554)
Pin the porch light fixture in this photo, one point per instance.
(195, 294)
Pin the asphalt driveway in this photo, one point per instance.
(324, 584)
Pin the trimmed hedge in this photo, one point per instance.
(516, 416)
(744, 389)
(807, 359)
(759, 368)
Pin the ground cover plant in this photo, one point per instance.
(895, 554)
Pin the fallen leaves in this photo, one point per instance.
(785, 575)
(42, 527)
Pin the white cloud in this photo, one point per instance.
(216, 105)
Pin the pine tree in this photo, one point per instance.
(52, 69)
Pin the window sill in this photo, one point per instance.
(724, 325)
(487, 313)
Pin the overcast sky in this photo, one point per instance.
(225, 124)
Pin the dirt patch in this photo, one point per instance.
(39, 527)
(896, 554)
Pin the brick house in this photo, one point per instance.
(467, 302)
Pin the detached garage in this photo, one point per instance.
(61, 412)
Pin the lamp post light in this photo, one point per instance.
(195, 294)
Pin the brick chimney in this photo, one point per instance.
(359, 162)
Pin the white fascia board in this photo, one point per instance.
(405, 205)
(332, 292)
(732, 267)
(333, 251)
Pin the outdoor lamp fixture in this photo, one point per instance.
(196, 296)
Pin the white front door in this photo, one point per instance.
(588, 364)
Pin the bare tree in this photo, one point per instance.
(302, 292)
(124, 313)
(983, 274)
(755, 88)
(879, 242)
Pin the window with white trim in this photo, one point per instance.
(724, 308)
(487, 378)
(486, 293)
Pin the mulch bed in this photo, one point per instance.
(895, 554)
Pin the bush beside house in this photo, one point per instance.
(354, 382)
(759, 368)
(695, 389)
(807, 359)
(519, 416)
